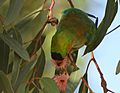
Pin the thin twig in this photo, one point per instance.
(36, 86)
(71, 4)
(113, 30)
(86, 84)
(103, 82)
(88, 65)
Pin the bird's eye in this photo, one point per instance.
(56, 56)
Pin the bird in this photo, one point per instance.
(74, 30)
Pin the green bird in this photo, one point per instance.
(74, 30)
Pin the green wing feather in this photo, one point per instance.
(74, 31)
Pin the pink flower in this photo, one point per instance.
(61, 81)
(60, 63)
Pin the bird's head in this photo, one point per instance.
(58, 60)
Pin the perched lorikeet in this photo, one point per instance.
(74, 30)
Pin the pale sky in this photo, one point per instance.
(107, 53)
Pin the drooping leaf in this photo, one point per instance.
(14, 58)
(2, 2)
(40, 22)
(40, 64)
(5, 83)
(16, 35)
(13, 11)
(110, 13)
(12, 43)
(36, 24)
(48, 85)
(23, 22)
(71, 68)
(16, 68)
(70, 87)
(30, 6)
(21, 88)
(36, 44)
(4, 8)
(118, 68)
(73, 82)
(32, 26)
(83, 88)
(25, 73)
(39, 69)
(4, 56)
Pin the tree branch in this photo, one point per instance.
(71, 4)
(103, 82)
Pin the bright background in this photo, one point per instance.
(107, 53)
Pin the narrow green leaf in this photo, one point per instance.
(30, 6)
(110, 13)
(5, 83)
(25, 73)
(27, 89)
(13, 11)
(2, 2)
(4, 56)
(71, 86)
(36, 44)
(23, 22)
(12, 43)
(39, 68)
(34, 26)
(16, 68)
(21, 88)
(73, 82)
(17, 35)
(40, 64)
(48, 85)
(83, 88)
(4, 8)
(39, 23)
(71, 68)
(118, 68)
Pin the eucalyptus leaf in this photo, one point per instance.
(110, 13)
(4, 56)
(16, 35)
(39, 69)
(33, 26)
(73, 81)
(48, 85)
(13, 11)
(118, 68)
(30, 6)
(2, 2)
(70, 87)
(71, 68)
(16, 68)
(25, 73)
(12, 43)
(5, 83)
(36, 44)
(40, 64)
(4, 8)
